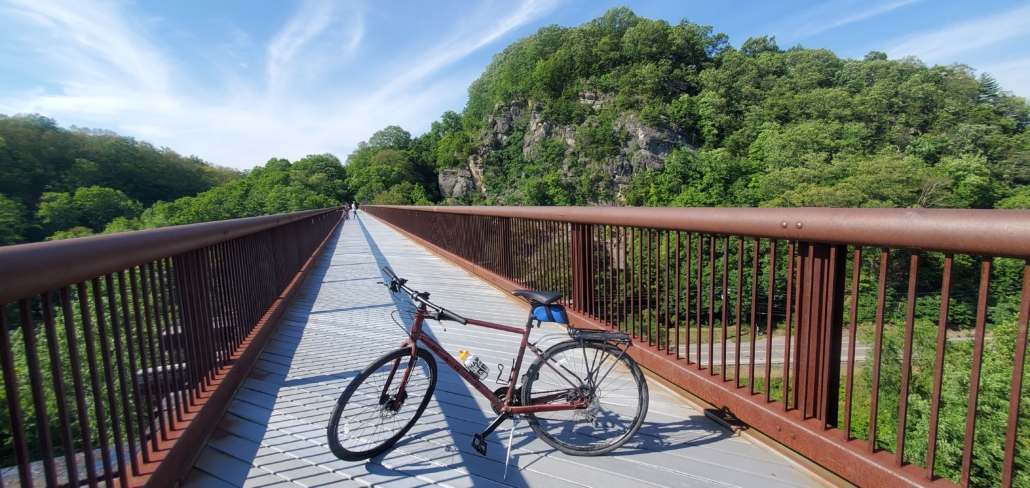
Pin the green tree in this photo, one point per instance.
(392, 137)
(57, 211)
(98, 206)
(77, 231)
(12, 221)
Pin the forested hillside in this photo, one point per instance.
(54, 180)
(630, 111)
(58, 183)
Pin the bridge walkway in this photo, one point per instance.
(274, 431)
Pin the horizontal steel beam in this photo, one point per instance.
(1001, 233)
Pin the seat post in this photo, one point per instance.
(530, 318)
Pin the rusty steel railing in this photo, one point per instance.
(119, 353)
(886, 345)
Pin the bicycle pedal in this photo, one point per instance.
(479, 444)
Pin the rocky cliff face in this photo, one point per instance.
(641, 146)
(456, 183)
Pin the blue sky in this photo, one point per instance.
(237, 82)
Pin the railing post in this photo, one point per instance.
(582, 289)
(503, 246)
(820, 327)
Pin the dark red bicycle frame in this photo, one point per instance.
(503, 405)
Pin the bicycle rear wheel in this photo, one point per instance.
(615, 388)
(372, 413)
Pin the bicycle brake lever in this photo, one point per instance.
(436, 316)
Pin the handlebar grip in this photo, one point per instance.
(449, 315)
(389, 272)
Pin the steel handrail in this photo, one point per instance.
(30, 269)
(1001, 233)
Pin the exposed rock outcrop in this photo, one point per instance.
(502, 124)
(456, 183)
(642, 146)
(647, 147)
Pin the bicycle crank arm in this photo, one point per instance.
(479, 440)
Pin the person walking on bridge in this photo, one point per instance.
(355, 209)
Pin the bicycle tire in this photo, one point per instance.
(364, 408)
(618, 404)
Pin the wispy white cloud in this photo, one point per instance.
(312, 19)
(945, 45)
(93, 39)
(319, 90)
(832, 15)
(459, 46)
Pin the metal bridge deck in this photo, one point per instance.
(274, 431)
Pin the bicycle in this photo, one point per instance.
(584, 396)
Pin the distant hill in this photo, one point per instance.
(624, 110)
(106, 174)
(62, 183)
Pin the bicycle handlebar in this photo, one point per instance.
(447, 314)
(398, 284)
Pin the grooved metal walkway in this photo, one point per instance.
(274, 432)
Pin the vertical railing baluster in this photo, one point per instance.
(974, 379)
(686, 299)
(723, 301)
(697, 298)
(736, 315)
(38, 394)
(646, 290)
(938, 373)
(874, 395)
(753, 336)
(137, 396)
(795, 268)
(57, 379)
(769, 321)
(160, 375)
(856, 273)
(1016, 391)
(676, 320)
(74, 359)
(110, 385)
(711, 305)
(147, 391)
(906, 359)
(21, 446)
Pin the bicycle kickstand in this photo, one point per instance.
(479, 440)
(511, 433)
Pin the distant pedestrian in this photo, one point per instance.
(355, 209)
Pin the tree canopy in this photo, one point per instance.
(53, 179)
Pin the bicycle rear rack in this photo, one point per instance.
(610, 336)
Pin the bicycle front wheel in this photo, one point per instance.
(615, 389)
(374, 411)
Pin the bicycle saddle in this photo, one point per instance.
(541, 297)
